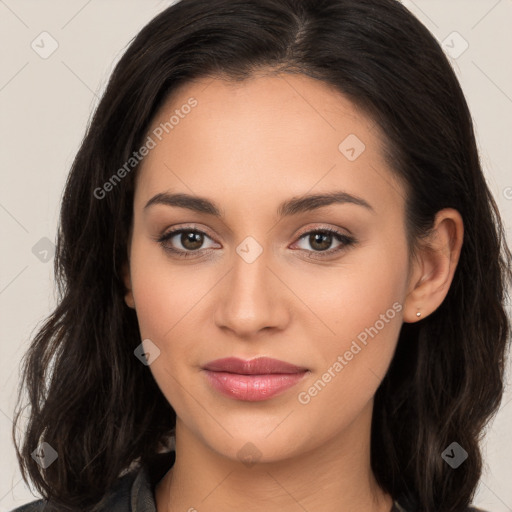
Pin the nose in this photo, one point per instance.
(252, 298)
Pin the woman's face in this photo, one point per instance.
(255, 275)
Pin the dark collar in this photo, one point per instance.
(142, 495)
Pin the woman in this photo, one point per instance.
(282, 274)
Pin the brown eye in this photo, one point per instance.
(320, 241)
(191, 240)
(184, 242)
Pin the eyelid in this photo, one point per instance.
(176, 230)
(347, 240)
(317, 227)
(188, 227)
(323, 227)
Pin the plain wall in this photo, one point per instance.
(46, 104)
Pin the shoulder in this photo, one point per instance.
(33, 506)
(134, 490)
(38, 506)
(407, 504)
(117, 500)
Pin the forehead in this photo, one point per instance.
(284, 132)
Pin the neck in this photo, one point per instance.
(333, 477)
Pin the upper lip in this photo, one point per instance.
(258, 366)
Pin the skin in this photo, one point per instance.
(248, 147)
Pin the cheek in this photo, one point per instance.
(165, 295)
(349, 298)
(351, 363)
(362, 306)
(163, 291)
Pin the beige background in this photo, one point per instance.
(46, 104)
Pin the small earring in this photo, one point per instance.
(418, 314)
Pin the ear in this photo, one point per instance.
(128, 297)
(434, 266)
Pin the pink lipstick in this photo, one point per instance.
(253, 380)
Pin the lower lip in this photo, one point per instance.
(252, 388)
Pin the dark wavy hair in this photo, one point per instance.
(101, 410)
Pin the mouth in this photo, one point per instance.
(254, 380)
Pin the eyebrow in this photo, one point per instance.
(289, 207)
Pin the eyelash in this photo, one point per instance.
(345, 240)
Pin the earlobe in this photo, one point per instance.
(435, 266)
(128, 296)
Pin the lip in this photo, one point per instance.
(253, 380)
(258, 366)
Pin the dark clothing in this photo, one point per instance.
(135, 491)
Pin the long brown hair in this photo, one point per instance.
(93, 401)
